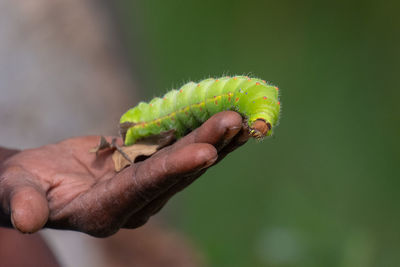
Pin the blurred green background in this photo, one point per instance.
(324, 190)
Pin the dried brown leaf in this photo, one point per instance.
(132, 152)
(126, 155)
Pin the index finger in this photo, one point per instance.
(216, 131)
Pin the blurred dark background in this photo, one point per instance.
(324, 190)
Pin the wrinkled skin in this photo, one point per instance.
(63, 186)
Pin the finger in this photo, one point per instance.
(29, 209)
(142, 216)
(240, 139)
(155, 175)
(227, 129)
(217, 131)
(23, 200)
(136, 186)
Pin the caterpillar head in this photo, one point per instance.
(260, 128)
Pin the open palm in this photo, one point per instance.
(63, 186)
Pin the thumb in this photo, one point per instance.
(29, 209)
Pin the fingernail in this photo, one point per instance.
(231, 132)
(210, 162)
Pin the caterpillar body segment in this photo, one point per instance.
(187, 108)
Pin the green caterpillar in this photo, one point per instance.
(187, 108)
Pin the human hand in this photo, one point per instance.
(63, 186)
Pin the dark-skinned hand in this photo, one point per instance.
(63, 186)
